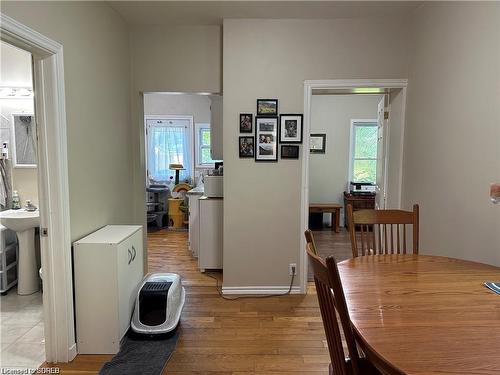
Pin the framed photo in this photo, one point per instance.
(289, 152)
(246, 123)
(266, 138)
(317, 144)
(247, 147)
(291, 128)
(267, 107)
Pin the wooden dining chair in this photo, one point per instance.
(332, 302)
(382, 231)
(310, 244)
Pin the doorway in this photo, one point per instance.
(178, 154)
(53, 194)
(21, 315)
(354, 129)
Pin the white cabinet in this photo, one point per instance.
(108, 268)
(211, 233)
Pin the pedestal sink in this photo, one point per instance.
(24, 223)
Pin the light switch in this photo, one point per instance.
(495, 193)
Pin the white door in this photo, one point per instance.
(381, 155)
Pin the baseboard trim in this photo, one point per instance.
(265, 290)
(72, 352)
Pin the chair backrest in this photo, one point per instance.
(331, 299)
(310, 244)
(382, 231)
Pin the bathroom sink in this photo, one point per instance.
(20, 220)
(24, 223)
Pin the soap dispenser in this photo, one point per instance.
(16, 202)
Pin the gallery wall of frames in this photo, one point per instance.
(269, 133)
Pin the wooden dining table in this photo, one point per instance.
(418, 314)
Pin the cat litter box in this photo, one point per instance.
(159, 304)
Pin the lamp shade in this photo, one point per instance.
(176, 167)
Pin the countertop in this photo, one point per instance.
(199, 190)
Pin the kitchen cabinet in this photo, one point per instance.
(194, 219)
(108, 268)
(211, 233)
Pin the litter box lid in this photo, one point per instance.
(159, 304)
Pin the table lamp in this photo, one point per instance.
(176, 168)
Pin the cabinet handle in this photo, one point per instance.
(135, 253)
(129, 256)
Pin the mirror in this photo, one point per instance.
(24, 145)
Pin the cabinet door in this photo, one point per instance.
(211, 233)
(130, 273)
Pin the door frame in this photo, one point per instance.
(336, 84)
(55, 238)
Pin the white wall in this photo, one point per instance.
(452, 151)
(15, 65)
(15, 71)
(97, 77)
(329, 172)
(197, 106)
(271, 59)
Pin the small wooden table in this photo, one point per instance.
(417, 314)
(333, 208)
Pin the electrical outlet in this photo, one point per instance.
(292, 269)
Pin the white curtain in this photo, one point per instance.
(168, 142)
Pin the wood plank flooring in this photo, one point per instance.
(331, 243)
(282, 335)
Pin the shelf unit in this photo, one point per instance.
(8, 259)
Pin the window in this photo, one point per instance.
(364, 151)
(203, 157)
(168, 142)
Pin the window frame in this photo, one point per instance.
(198, 128)
(189, 137)
(352, 144)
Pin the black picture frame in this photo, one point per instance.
(267, 107)
(246, 152)
(289, 151)
(266, 138)
(313, 140)
(246, 123)
(296, 122)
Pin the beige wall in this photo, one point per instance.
(97, 76)
(178, 58)
(332, 114)
(452, 151)
(271, 59)
(175, 59)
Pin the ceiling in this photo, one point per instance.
(213, 12)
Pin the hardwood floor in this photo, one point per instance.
(331, 243)
(273, 336)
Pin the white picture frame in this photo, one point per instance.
(266, 138)
(291, 126)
